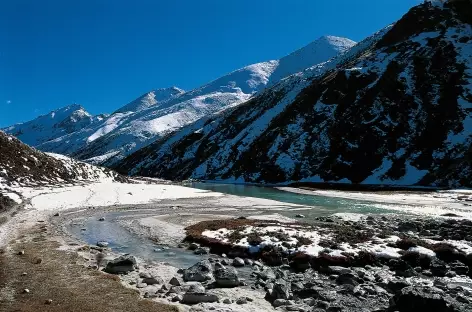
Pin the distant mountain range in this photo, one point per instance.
(106, 139)
(394, 109)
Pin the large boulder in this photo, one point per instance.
(121, 265)
(200, 272)
(226, 277)
(414, 299)
(197, 294)
(438, 268)
(281, 290)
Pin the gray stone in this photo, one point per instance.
(175, 281)
(101, 219)
(227, 301)
(196, 294)
(407, 226)
(347, 278)
(202, 251)
(238, 262)
(248, 262)
(241, 300)
(102, 244)
(226, 277)
(279, 302)
(281, 290)
(121, 265)
(200, 272)
(338, 270)
(153, 280)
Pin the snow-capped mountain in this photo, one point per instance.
(161, 111)
(55, 124)
(21, 165)
(395, 109)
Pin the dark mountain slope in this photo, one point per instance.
(399, 112)
(21, 165)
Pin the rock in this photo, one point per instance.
(396, 285)
(175, 281)
(48, 301)
(347, 278)
(175, 290)
(101, 219)
(26, 291)
(122, 264)
(266, 274)
(180, 271)
(238, 262)
(154, 280)
(279, 302)
(224, 262)
(145, 275)
(196, 294)
(200, 272)
(281, 290)
(407, 226)
(56, 214)
(21, 252)
(227, 301)
(459, 268)
(141, 285)
(462, 299)
(102, 244)
(226, 277)
(241, 300)
(438, 268)
(193, 246)
(24, 274)
(248, 262)
(338, 270)
(177, 298)
(299, 216)
(202, 251)
(412, 299)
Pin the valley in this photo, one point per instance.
(334, 179)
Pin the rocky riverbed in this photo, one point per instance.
(371, 264)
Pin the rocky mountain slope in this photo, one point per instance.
(105, 140)
(395, 110)
(21, 165)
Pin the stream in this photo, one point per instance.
(121, 240)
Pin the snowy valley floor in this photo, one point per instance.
(55, 223)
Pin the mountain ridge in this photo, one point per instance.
(398, 111)
(158, 112)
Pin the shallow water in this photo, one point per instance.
(123, 241)
(322, 205)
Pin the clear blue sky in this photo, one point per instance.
(105, 53)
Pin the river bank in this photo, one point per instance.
(152, 234)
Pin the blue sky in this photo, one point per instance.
(103, 53)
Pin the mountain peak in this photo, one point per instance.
(316, 52)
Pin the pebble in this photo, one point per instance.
(21, 252)
(48, 301)
(26, 291)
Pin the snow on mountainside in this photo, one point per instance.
(21, 165)
(164, 110)
(396, 109)
(55, 124)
